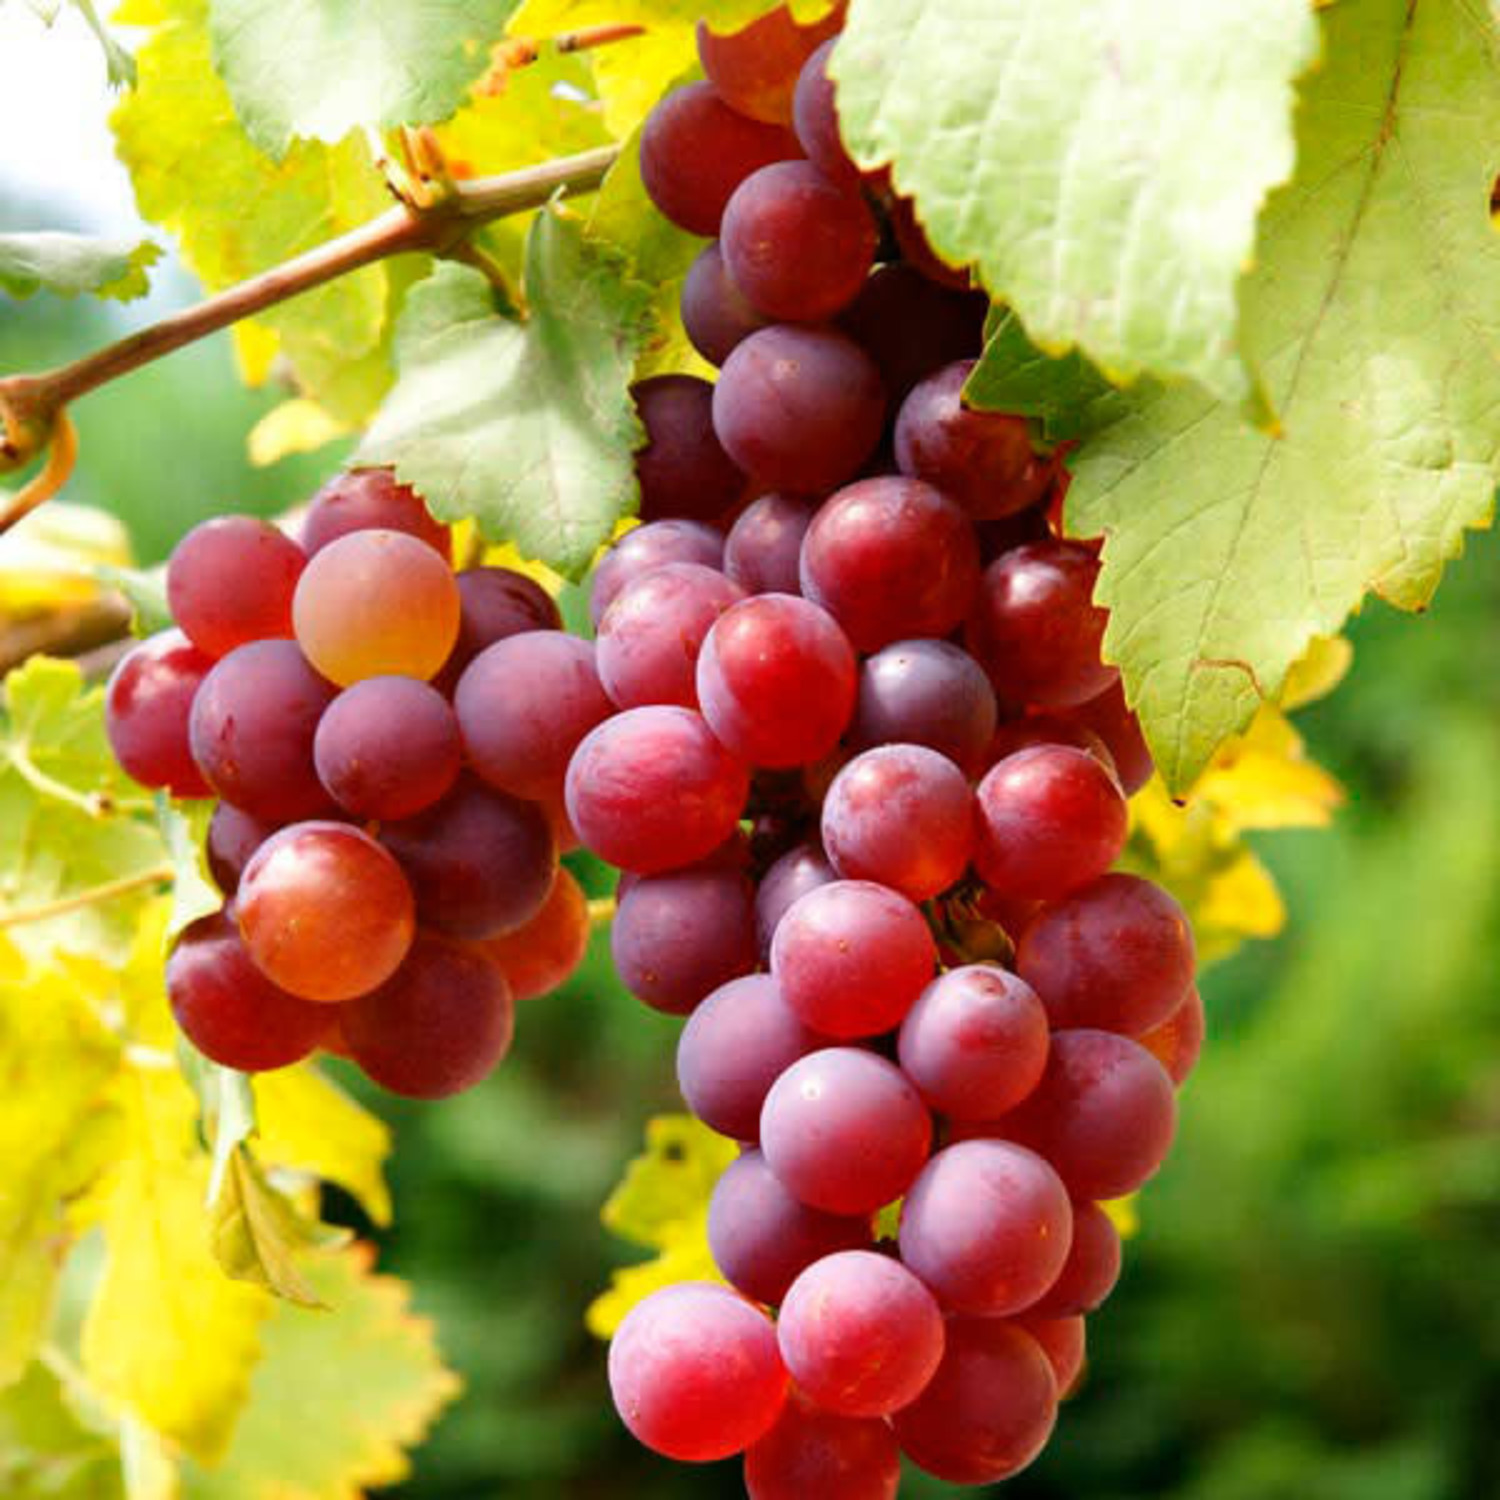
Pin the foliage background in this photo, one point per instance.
(1310, 1308)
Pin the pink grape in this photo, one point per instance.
(800, 870)
(230, 580)
(814, 1453)
(1109, 718)
(1063, 1342)
(695, 1372)
(370, 500)
(1091, 1270)
(816, 118)
(911, 327)
(147, 708)
(763, 550)
(647, 547)
(715, 314)
(926, 692)
(233, 836)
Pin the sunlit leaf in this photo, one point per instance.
(70, 264)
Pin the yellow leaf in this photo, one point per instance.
(1125, 1212)
(1322, 667)
(48, 559)
(168, 1337)
(507, 556)
(255, 350)
(686, 1258)
(1263, 779)
(305, 1122)
(338, 1396)
(296, 426)
(57, 1128)
(1242, 899)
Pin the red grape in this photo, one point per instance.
(482, 863)
(776, 679)
(695, 1372)
(647, 547)
(814, 1453)
(496, 603)
(230, 580)
(736, 1044)
(860, 1334)
(755, 68)
(233, 836)
(815, 116)
(1109, 718)
(147, 707)
(891, 558)
(975, 1043)
(544, 952)
(375, 604)
(1062, 1341)
(762, 1238)
(901, 815)
(1051, 819)
(679, 935)
(1103, 1115)
(715, 313)
(1091, 1270)
(1116, 955)
(370, 500)
(799, 408)
(325, 911)
(650, 637)
(929, 693)
(988, 1411)
(763, 549)
(683, 470)
(845, 1131)
(252, 727)
(439, 1025)
(800, 870)
(852, 957)
(1035, 628)
(652, 789)
(695, 151)
(912, 327)
(229, 1010)
(797, 244)
(523, 706)
(987, 1225)
(387, 747)
(1178, 1042)
(1048, 729)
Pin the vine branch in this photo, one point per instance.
(33, 407)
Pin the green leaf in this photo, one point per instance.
(236, 212)
(1068, 396)
(338, 1396)
(184, 827)
(72, 263)
(1103, 165)
(46, 1453)
(527, 427)
(145, 590)
(1372, 313)
(70, 819)
(317, 69)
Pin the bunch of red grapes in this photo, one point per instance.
(868, 782)
(388, 831)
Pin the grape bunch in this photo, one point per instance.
(866, 776)
(389, 822)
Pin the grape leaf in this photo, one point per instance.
(632, 75)
(168, 1335)
(46, 1453)
(48, 559)
(661, 1204)
(184, 827)
(338, 1395)
(318, 69)
(527, 427)
(57, 1061)
(1371, 312)
(119, 64)
(306, 1123)
(1103, 165)
(72, 263)
(236, 212)
(70, 820)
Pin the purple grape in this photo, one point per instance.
(647, 547)
(926, 692)
(764, 548)
(797, 872)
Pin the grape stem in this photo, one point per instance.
(95, 895)
(33, 407)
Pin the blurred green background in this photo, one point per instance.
(1310, 1311)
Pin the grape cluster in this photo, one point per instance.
(867, 778)
(387, 740)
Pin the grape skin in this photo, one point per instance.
(695, 1373)
(375, 604)
(800, 870)
(251, 729)
(440, 1024)
(1109, 718)
(229, 1010)
(1090, 1272)
(860, 1334)
(776, 679)
(647, 547)
(325, 911)
(925, 692)
(1062, 1340)
(987, 1225)
(233, 836)
(652, 789)
(903, 816)
(543, 953)
(800, 408)
(370, 500)
(814, 1453)
(762, 1238)
(230, 580)
(1177, 1043)
(679, 935)
(816, 120)
(715, 314)
(844, 1131)
(496, 603)
(736, 1044)
(147, 708)
(763, 550)
(683, 470)
(911, 327)
(852, 957)
(989, 1409)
